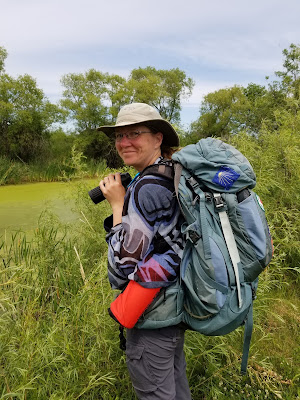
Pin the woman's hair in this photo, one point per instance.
(166, 151)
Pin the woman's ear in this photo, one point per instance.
(159, 137)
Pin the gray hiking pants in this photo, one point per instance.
(156, 363)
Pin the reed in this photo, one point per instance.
(16, 172)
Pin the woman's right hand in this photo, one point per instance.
(113, 190)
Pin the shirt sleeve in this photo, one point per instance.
(149, 206)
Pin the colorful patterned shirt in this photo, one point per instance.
(147, 246)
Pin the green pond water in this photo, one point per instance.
(21, 205)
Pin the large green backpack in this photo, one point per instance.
(228, 243)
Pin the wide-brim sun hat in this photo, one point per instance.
(139, 113)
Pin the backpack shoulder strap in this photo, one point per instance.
(177, 174)
(230, 242)
(163, 169)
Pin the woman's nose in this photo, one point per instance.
(124, 142)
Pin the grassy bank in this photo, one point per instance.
(76, 167)
(58, 342)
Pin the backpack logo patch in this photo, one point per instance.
(260, 203)
(225, 177)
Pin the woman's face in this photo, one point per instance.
(141, 151)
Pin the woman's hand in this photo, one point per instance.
(114, 192)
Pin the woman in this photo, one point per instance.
(145, 250)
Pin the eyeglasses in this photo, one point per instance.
(129, 135)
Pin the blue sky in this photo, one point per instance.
(217, 43)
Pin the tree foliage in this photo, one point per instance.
(83, 99)
(220, 113)
(290, 77)
(3, 56)
(95, 98)
(229, 111)
(163, 89)
(25, 117)
(92, 99)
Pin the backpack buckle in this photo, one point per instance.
(219, 203)
(192, 181)
(253, 293)
(193, 236)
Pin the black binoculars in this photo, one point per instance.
(96, 194)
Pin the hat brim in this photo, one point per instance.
(170, 137)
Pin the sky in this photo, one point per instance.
(217, 43)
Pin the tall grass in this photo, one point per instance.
(15, 172)
(58, 342)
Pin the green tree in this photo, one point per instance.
(25, 118)
(93, 99)
(290, 77)
(118, 94)
(60, 144)
(163, 89)
(221, 114)
(227, 112)
(84, 99)
(262, 103)
(96, 145)
(3, 56)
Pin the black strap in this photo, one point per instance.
(122, 338)
(247, 340)
(164, 169)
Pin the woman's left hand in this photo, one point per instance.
(113, 190)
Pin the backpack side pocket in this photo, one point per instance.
(257, 231)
